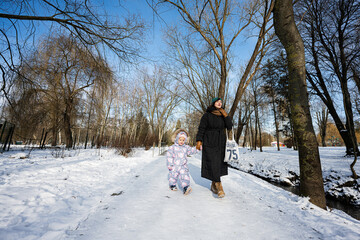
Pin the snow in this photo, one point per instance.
(98, 194)
(283, 167)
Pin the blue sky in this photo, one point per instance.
(155, 23)
(167, 17)
(156, 26)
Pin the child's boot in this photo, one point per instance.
(187, 190)
(173, 188)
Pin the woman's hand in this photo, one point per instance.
(198, 145)
(222, 111)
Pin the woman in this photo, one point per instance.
(212, 137)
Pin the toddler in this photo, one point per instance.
(177, 161)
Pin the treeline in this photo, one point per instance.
(66, 87)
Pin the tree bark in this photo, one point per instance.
(243, 120)
(260, 138)
(54, 131)
(311, 181)
(255, 128)
(276, 124)
(239, 128)
(322, 119)
(356, 78)
(67, 125)
(245, 134)
(251, 134)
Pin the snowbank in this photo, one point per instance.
(98, 194)
(283, 167)
(58, 186)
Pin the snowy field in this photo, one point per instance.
(283, 166)
(97, 194)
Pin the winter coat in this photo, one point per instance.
(211, 133)
(177, 155)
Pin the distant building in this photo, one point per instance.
(274, 144)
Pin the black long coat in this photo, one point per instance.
(212, 134)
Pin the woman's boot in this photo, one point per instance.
(220, 189)
(213, 188)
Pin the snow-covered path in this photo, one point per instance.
(252, 209)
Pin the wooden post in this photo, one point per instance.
(2, 131)
(42, 135)
(7, 139)
(43, 142)
(86, 139)
(11, 135)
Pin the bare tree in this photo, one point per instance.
(356, 77)
(158, 101)
(21, 21)
(194, 67)
(61, 70)
(258, 98)
(27, 112)
(322, 121)
(311, 181)
(245, 112)
(264, 40)
(130, 123)
(271, 76)
(331, 38)
(211, 18)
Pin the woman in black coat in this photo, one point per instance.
(211, 135)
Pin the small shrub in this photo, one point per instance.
(126, 152)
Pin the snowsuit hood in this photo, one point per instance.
(180, 133)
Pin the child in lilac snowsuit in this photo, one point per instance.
(177, 161)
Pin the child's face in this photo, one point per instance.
(181, 141)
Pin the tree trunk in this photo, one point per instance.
(223, 76)
(67, 125)
(349, 116)
(293, 140)
(60, 141)
(256, 129)
(251, 135)
(311, 181)
(86, 138)
(325, 97)
(245, 135)
(160, 136)
(239, 131)
(260, 138)
(239, 128)
(54, 133)
(276, 124)
(242, 121)
(322, 119)
(256, 118)
(356, 78)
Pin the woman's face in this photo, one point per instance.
(218, 104)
